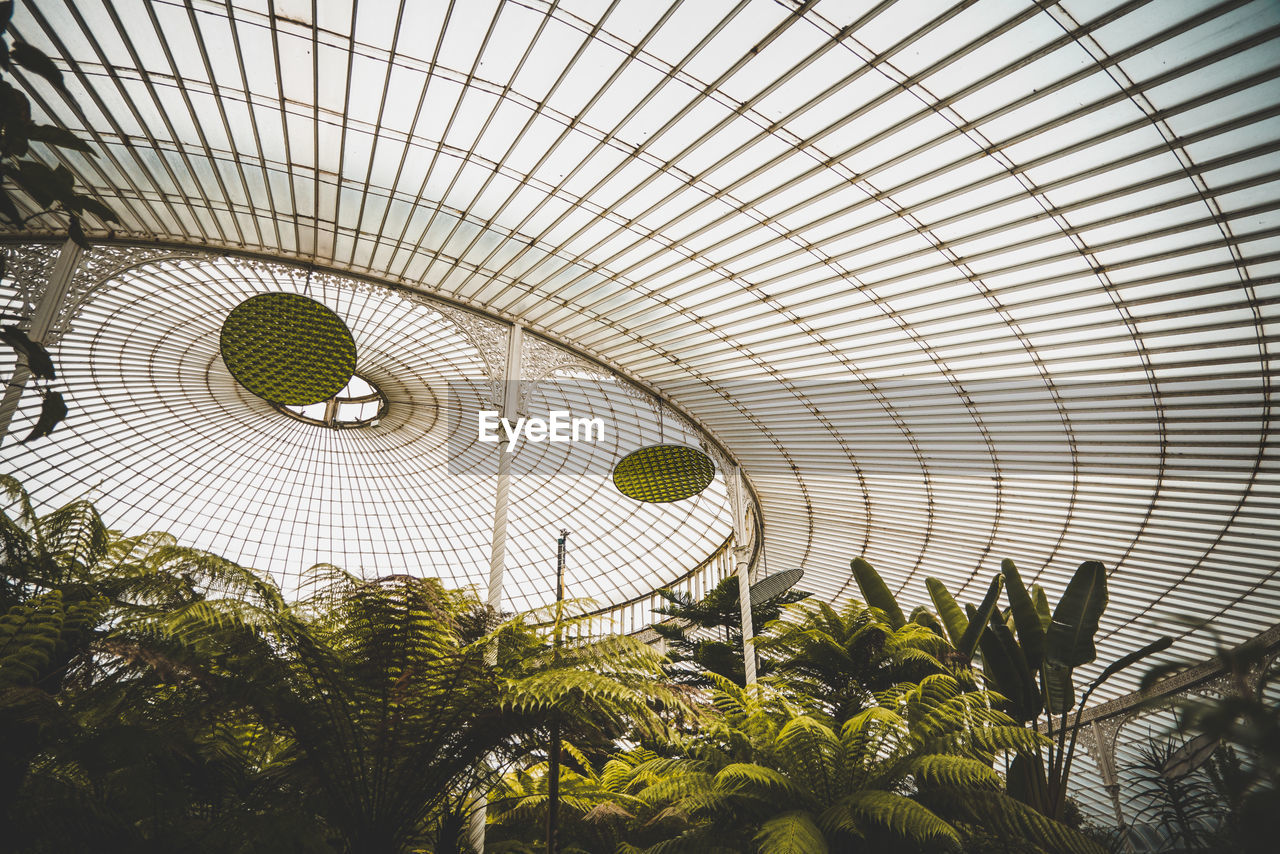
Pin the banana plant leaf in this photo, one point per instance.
(1158, 645)
(952, 617)
(1069, 641)
(1006, 667)
(1059, 687)
(876, 592)
(1041, 600)
(922, 616)
(987, 611)
(1025, 618)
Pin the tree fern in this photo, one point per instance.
(858, 812)
(791, 833)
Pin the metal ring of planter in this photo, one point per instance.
(659, 474)
(288, 349)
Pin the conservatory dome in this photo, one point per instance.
(940, 283)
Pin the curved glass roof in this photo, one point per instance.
(953, 281)
(161, 436)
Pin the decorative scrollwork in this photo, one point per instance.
(29, 267)
(488, 337)
(100, 265)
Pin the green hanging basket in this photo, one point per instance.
(662, 473)
(288, 349)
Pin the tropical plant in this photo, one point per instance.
(912, 772)
(90, 760)
(841, 657)
(705, 635)
(1183, 808)
(1244, 722)
(159, 698)
(392, 715)
(598, 811)
(1029, 656)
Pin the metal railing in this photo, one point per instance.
(637, 614)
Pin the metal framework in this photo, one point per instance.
(951, 281)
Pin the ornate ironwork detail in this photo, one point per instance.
(100, 265)
(541, 359)
(29, 267)
(1208, 674)
(487, 336)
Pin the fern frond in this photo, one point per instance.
(29, 633)
(998, 813)
(902, 816)
(812, 750)
(74, 535)
(745, 778)
(955, 771)
(791, 833)
(15, 505)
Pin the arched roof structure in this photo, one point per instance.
(952, 281)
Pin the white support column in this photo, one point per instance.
(510, 403)
(55, 293)
(742, 556)
(498, 542)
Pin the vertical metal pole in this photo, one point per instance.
(553, 757)
(742, 555)
(498, 542)
(510, 403)
(55, 293)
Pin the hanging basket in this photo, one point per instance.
(288, 349)
(659, 474)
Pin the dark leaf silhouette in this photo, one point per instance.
(52, 411)
(36, 355)
(35, 61)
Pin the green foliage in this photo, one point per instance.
(840, 658)
(953, 618)
(707, 633)
(43, 188)
(766, 774)
(1244, 773)
(154, 697)
(1068, 643)
(1183, 808)
(1026, 614)
(791, 833)
(861, 737)
(876, 592)
(1045, 646)
(94, 755)
(983, 614)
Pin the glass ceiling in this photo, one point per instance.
(953, 281)
(161, 436)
